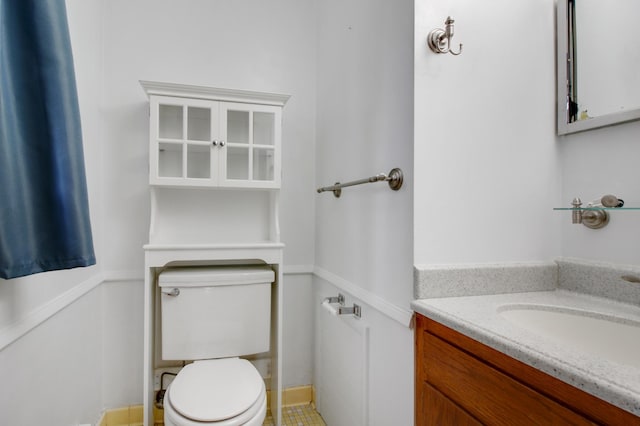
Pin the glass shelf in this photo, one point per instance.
(597, 208)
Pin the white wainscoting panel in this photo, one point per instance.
(343, 369)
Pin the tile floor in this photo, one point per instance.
(299, 415)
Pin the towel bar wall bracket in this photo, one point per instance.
(394, 178)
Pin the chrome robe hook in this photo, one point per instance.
(439, 40)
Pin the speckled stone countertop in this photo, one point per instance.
(478, 317)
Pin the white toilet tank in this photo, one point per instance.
(215, 311)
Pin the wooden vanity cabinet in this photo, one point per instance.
(460, 381)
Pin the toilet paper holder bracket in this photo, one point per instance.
(335, 299)
(354, 310)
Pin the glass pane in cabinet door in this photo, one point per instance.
(263, 128)
(198, 161)
(170, 160)
(198, 124)
(262, 164)
(237, 163)
(238, 126)
(170, 122)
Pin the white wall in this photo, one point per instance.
(54, 368)
(52, 375)
(297, 339)
(20, 296)
(486, 169)
(364, 127)
(122, 336)
(386, 368)
(484, 138)
(489, 166)
(595, 163)
(251, 45)
(364, 238)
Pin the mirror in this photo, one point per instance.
(598, 63)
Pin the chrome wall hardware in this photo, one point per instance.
(394, 178)
(594, 215)
(607, 201)
(631, 278)
(439, 40)
(335, 299)
(171, 291)
(328, 302)
(354, 310)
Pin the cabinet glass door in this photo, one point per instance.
(263, 145)
(199, 142)
(185, 134)
(238, 143)
(170, 136)
(251, 144)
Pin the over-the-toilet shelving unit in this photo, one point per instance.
(214, 176)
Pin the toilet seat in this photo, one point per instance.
(254, 416)
(222, 392)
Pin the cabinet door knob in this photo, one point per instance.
(214, 143)
(222, 143)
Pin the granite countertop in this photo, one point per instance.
(478, 317)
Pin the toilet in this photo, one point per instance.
(212, 316)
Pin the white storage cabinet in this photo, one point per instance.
(206, 137)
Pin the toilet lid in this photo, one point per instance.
(215, 390)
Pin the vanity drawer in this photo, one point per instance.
(439, 410)
(488, 394)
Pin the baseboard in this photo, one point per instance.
(300, 395)
(132, 415)
(102, 421)
(126, 416)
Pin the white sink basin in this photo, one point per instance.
(614, 338)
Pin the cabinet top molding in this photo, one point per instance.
(204, 92)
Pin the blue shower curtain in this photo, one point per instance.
(44, 212)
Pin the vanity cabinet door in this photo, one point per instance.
(462, 381)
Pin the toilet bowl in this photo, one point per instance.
(220, 392)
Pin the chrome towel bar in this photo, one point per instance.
(394, 178)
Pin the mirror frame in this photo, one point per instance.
(564, 83)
